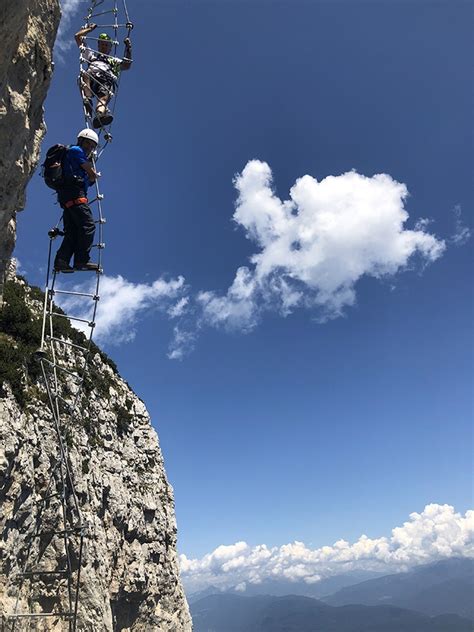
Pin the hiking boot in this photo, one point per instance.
(102, 119)
(84, 267)
(88, 107)
(62, 266)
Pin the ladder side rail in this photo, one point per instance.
(46, 292)
(67, 546)
(30, 542)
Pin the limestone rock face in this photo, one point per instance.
(130, 577)
(27, 32)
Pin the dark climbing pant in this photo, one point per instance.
(101, 84)
(79, 229)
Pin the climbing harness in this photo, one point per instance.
(82, 200)
(58, 530)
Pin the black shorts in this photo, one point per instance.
(102, 85)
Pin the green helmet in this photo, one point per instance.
(104, 36)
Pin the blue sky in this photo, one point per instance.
(276, 426)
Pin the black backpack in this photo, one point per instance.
(52, 167)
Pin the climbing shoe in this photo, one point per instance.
(84, 267)
(62, 266)
(88, 106)
(102, 119)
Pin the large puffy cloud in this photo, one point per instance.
(122, 303)
(311, 251)
(314, 247)
(437, 532)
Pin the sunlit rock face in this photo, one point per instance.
(27, 32)
(129, 573)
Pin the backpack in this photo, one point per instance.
(52, 167)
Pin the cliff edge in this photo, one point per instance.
(129, 572)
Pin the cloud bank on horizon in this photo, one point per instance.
(437, 532)
(310, 252)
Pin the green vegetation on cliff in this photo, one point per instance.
(20, 335)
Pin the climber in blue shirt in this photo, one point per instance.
(79, 226)
(73, 165)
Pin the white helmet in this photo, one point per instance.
(89, 134)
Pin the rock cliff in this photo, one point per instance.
(27, 32)
(130, 576)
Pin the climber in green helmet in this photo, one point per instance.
(100, 78)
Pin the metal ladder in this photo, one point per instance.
(58, 515)
(57, 510)
(57, 518)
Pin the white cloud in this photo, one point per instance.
(462, 233)
(181, 344)
(178, 308)
(69, 11)
(422, 223)
(121, 303)
(314, 247)
(237, 309)
(311, 251)
(435, 533)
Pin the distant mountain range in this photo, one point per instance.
(231, 613)
(433, 598)
(280, 588)
(444, 587)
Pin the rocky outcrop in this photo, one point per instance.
(27, 32)
(129, 573)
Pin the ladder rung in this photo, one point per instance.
(74, 293)
(38, 614)
(80, 320)
(110, 26)
(96, 199)
(94, 15)
(65, 342)
(61, 368)
(37, 573)
(56, 396)
(45, 498)
(59, 533)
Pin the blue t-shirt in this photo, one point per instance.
(72, 165)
